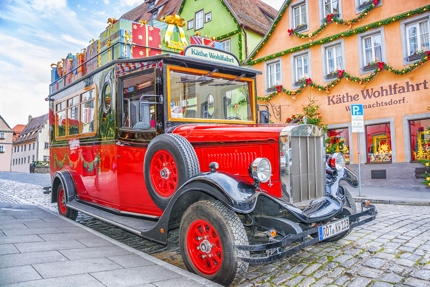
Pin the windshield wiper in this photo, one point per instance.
(201, 79)
(230, 82)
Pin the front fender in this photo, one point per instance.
(350, 177)
(66, 180)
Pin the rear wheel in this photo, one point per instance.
(208, 233)
(61, 204)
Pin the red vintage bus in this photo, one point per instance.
(177, 141)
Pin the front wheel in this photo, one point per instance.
(61, 204)
(208, 233)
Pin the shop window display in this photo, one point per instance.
(338, 141)
(378, 140)
(420, 139)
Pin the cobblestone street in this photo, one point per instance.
(393, 250)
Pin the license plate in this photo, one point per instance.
(333, 228)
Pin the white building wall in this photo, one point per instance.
(43, 144)
(23, 155)
(6, 139)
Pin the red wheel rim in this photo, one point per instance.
(164, 173)
(204, 247)
(62, 201)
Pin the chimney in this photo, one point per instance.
(30, 118)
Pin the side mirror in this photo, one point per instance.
(264, 117)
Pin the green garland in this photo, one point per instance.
(342, 74)
(89, 166)
(333, 37)
(332, 18)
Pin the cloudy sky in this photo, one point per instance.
(36, 33)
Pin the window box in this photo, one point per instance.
(364, 5)
(332, 75)
(299, 82)
(301, 27)
(370, 67)
(416, 56)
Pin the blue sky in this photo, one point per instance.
(36, 33)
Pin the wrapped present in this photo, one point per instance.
(199, 40)
(115, 25)
(54, 72)
(78, 66)
(68, 68)
(116, 47)
(91, 56)
(173, 36)
(146, 40)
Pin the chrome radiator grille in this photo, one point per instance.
(303, 175)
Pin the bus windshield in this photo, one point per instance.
(209, 96)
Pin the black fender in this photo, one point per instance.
(66, 179)
(235, 193)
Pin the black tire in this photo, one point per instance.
(348, 200)
(213, 255)
(61, 204)
(170, 160)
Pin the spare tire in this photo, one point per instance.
(170, 160)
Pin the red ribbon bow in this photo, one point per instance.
(375, 2)
(308, 81)
(290, 32)
(381, 65)
(330, 17)
(279, 88)
(340, 73)
(427, 53)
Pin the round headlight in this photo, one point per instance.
(337, 161)
(261, 170)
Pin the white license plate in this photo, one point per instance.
(334, 228)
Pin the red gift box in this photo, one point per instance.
(146, 40)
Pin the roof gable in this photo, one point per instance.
(142, 12)
(2, 119)
(32, 128)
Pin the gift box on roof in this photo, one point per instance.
(173, 37)
(78, 67)
(146, 40)
(68, 68)
(116, 47)
(115, 25)
(91, 56)
(210, 42)
(54, 72)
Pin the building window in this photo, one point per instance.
(417, 39)
(25, 147)
(46, 158)
(190, 24)
(46, 145)
(420, 139)
(33, 158)
(300, 21)
(34, 146)
(378, 143)
(333, 61)
(273, 72)
(208, 17)
(199, 20)
(331, 7)
(301, 68)
(2, 149)
(372, 51)
(338, 141)
(226, 45)
(24, 160)
(29, 146)
(28, 159)
(2, 135)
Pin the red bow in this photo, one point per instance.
(340, 73)
(279, 88)
(308, 81)
(381, 65)
(290, 32)
(329, 17)
(375, 2)
(427, 53)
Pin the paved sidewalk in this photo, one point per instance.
(392, 195)
(41, 248)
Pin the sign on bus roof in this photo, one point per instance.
(211, 54)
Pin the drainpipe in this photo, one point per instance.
(246, 40)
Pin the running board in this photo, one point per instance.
(131, 224)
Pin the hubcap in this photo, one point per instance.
(164, 173)
(62, 201)
(204, 247)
